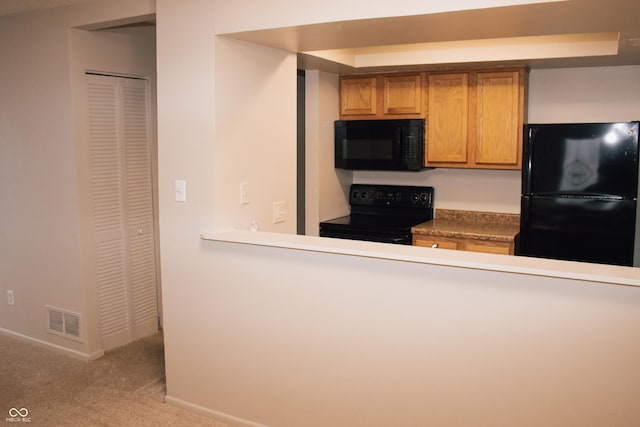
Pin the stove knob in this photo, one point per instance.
(364, 195)
(415, 197)
(355, 194)
(424, 197)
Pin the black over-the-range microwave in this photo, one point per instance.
(380, 144)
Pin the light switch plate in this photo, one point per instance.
(181, 190)
(244, 193)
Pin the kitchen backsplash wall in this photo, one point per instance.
(580, 95)
(461, 189)
(563, 95)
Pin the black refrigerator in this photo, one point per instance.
(579, 192)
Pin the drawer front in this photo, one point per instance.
(501, 248)
(490, 247)
(435, 242)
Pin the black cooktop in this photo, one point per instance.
(382, 213)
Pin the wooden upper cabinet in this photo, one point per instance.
(358, 96)
(448, 119)
(382, 96)
(499, 119)
(475, 119)
(402, 94)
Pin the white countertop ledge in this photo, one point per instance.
(608, 274)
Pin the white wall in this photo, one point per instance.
(226, 115)
(39, 222)
(327, 188)
(278, 336)
(598, 94)
(283, 337)
(473, 190)
(286, 337)
(255, 135)
(42, 217)
(43, 220)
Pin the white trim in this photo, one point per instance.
(74, 353)
(599, 273)
(210, 413)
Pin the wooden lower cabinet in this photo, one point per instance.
(502, 248)
(472, 245)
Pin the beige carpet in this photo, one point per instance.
(125, 387)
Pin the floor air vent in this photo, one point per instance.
(64, 323)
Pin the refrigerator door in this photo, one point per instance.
(581, 159)
(578, 229)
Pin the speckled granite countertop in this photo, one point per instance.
(497, 227)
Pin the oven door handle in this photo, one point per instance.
(383, 239)
(370, 238)
(397, 240)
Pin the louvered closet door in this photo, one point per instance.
(122, 208)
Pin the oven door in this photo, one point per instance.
(394, 238)
(371, 228)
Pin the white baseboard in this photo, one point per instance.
(74, 353)
(210, 413)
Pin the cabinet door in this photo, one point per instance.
(402, 94)
(498, 119)
(358, 96)
(448, 119)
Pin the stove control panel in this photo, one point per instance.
(391, 196)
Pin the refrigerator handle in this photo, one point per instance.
(529, 133)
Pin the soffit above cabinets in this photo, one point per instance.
(540, 35)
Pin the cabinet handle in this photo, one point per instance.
(140, 232)
(435, 245)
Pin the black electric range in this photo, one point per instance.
(382, 213)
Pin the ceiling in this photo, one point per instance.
(8, 7)
(539, 35)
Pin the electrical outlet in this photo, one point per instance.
(279, 212)
(10, 300)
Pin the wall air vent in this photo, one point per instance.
(63, 323)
